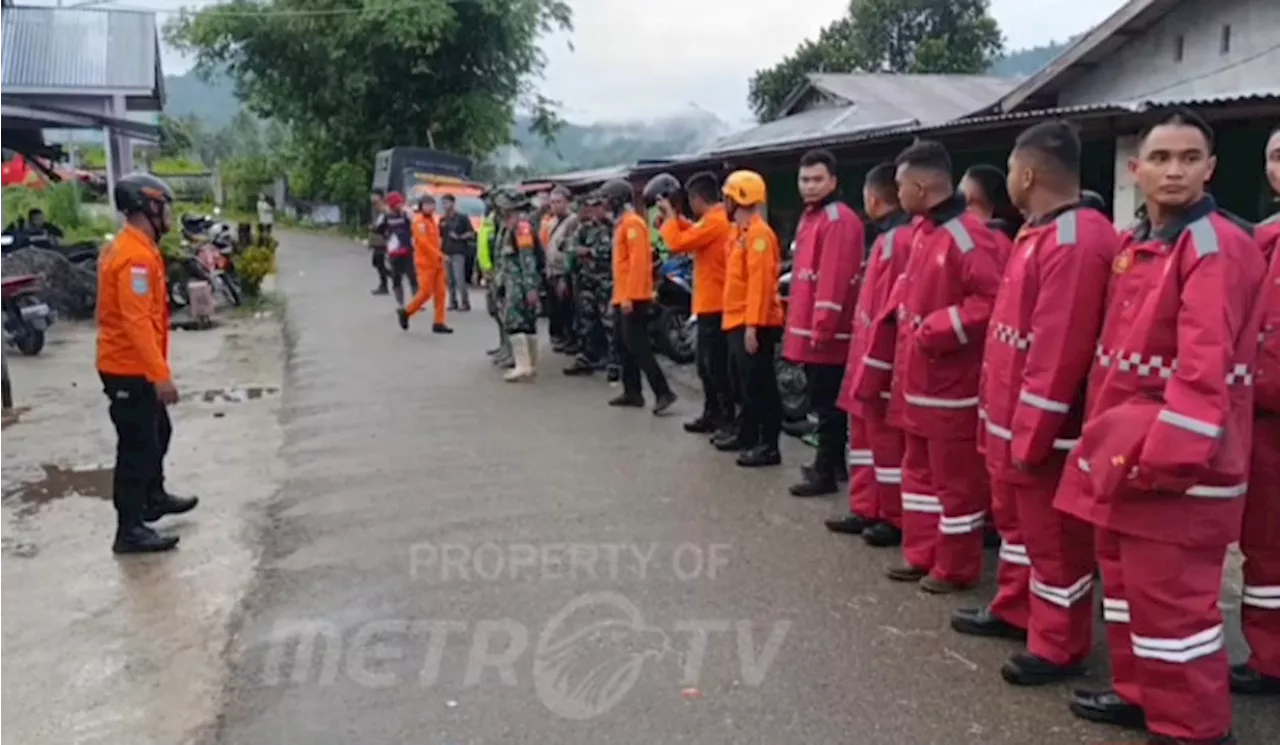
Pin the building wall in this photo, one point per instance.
(1148, 66)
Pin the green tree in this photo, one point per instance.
(177, 136)
(349, 77)
(903, 36)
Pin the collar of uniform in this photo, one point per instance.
(948, 209)
(821, 203)
(1144, 231)
(1048, 217)
(138, 235)
(895, 219)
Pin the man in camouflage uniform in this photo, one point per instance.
(490, 262)
(592, 280)
(519, 283)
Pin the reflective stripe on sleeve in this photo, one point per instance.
(1042, 403)
(1190, 424)
(931, 402)
(957, 325)
(877, 364)
(828, 305)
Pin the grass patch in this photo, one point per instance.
(271, 303)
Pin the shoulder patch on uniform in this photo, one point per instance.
(760, 245)
(960, 234)
(140, 280)
(524, 234)
(632, 234)
(886, 244)
(1204, 237)
(1068, 228)
(833, 212)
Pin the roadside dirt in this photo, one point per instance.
(105, 650)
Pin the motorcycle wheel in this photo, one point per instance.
(30, 342)
(231, 288)
(793, 387)
(177, 281)
(676, 338)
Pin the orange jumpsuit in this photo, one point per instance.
(428, 261)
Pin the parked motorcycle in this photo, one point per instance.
(792, 384)
(26, 316)
(208, 255)
(674, 329)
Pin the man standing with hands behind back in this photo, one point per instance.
(133, 362)
(457, 235)
(824, 291)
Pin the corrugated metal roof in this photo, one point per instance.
(805, 126)
(586, 177)
(65, 49)
(928, 99)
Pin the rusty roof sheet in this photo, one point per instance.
(68, 50)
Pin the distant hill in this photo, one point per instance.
(1025, 62)
(213, 102)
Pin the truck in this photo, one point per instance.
(418, 171)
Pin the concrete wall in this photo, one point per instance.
(1148, 66)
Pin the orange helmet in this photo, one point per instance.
(745, 188)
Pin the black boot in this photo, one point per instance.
(760, 456)
(139, 539)
(1025, 669)
(665, 401)
(731, 442)
(882, 535)
(980, 622)
(1106, 707)
(163, 503)
(727, 431)
(816, 483)
(848, 524)
(570, 349)
(613, 373)
(1249, 682)
(402, 316)
(628, 400)
(380, 290)
(580, 366)
(703, 425)
(440, 328)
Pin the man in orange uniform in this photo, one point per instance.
(633, 299)
(428, 263)
(133, 362)
(753, 320)
(709, 240)
(1260, 538)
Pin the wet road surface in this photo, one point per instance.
(457, 560)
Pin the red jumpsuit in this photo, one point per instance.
(943, 304)
(1165, 458)
(875, 447)
(1039, 348)
(1260, 536)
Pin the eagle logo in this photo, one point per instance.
(591, 653)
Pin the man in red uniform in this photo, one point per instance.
(1260, 537)
(939, 331)
(1165, 446)
(824, 289)
(875, 446)
(1039, 349)
(133, 363)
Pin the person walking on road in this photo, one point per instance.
(429, 267)
(378, 240)
(753, 320)
(133, 363)
(521, 280)
(633, 300)
(397, 226)
(1040, 345)
(458, 236)
(1260, 539)
(824, 290)
(709, 239)
(590, 270)
(1164, 453)
(875, 445)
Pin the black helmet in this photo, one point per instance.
(616, 193)
(142, 193)
(662, 186)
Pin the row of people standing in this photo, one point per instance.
(1093, 392)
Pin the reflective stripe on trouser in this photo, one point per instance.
(886, 452)
(1012, 603)
(1060, 547)
(944, 504)
(1260, 542)
(862, 483)
(1165, 633)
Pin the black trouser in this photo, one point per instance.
(637, 351)
(833, 424)
(401, 269)
(470, 266)
(379, 260)
(761, 416)
(713, 369)
(143, 432)
(560, 311)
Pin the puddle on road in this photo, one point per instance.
(13, 416)
(238, 394)
(58, 483)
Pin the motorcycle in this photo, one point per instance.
(208, 255)
(674, 328)
(792, 384)
(26, 317)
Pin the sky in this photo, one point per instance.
(646, 59)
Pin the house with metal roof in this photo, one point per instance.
(80, 68)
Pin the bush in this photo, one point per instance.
(253, 266)
(63, 205)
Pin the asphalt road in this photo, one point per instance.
(471, 561)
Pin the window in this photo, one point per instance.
(1178, 42)
(1224, 46)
